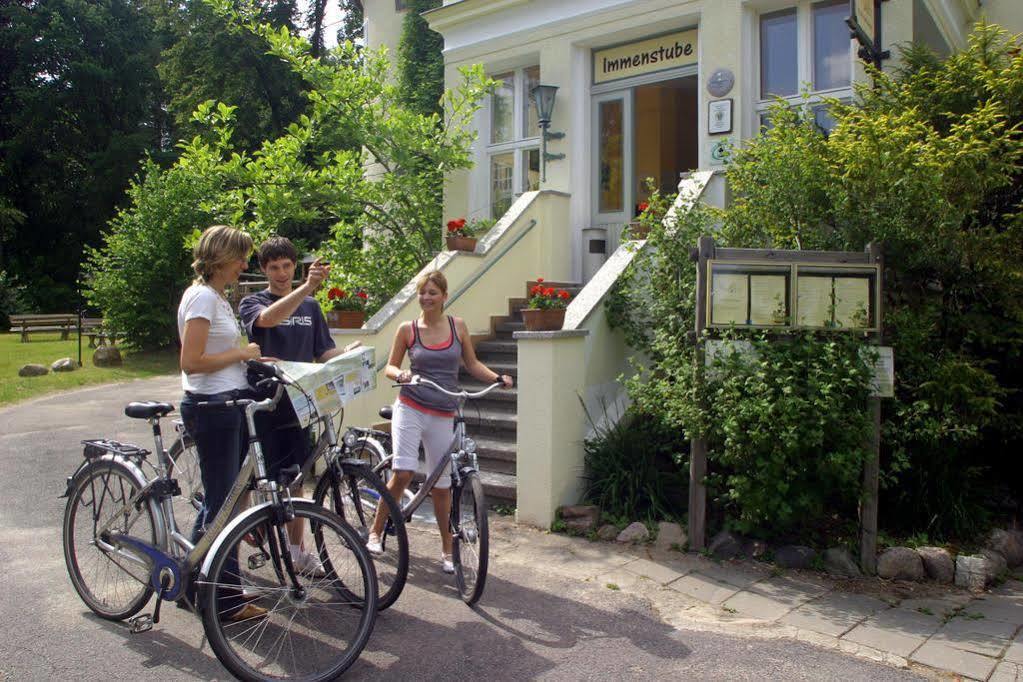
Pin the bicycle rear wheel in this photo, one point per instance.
(314, 633)
(113, 586)
(186, 470)
(471, 537)
(354, 493)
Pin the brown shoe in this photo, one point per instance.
(247, 612)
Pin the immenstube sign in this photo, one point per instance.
(645, 56)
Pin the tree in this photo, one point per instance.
(420, 60)
(929, 163)
(350, 29)
(78, 110)
(205, 58)
(383, 228)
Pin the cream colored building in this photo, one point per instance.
(646, 88)
(653, 120)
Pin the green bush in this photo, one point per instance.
(138, 275)
(634, 469)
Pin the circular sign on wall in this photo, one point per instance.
(720, 82)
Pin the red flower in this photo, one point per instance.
(564, 294)
(643, 206)
(362, 295)
(539, 279)
(548, 292)
(537, 289)
(456, 224)
(335, 293)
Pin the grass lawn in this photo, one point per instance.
(44, 348)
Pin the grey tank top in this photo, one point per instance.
(437, 363)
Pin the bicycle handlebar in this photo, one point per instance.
(463, 394)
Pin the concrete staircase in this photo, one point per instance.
(493, 421)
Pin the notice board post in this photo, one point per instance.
(781, 290)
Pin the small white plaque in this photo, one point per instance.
(719, 116)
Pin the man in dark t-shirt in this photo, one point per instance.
(287, 324)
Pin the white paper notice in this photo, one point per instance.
(729, 298)
(852, 302)
(813, 301)
(767, 299)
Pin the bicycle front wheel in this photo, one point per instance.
(312, 632)
(115, 586)
(471, 537)
(354, 494)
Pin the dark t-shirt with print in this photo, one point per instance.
(303, 337)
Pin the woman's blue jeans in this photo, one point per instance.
(221, 439)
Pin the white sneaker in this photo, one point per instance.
(307, 563)
(373, 545)
(446, 563)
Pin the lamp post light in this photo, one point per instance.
(543, 98)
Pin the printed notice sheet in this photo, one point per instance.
(883, 383)
(852, 302)
(729, 298)
(330, 384)
(767, 299)
(813, 301)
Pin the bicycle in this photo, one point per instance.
(348, 486)
(468, 517)
(122, 545)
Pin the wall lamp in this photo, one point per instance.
(543, 98)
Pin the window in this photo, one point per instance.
(400, 5)
(805, 49)
(513, 162)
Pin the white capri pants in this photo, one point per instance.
(409, 427)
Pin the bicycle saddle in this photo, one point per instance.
(147, 409)
(385, 412)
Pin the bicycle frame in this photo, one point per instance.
(163, 556)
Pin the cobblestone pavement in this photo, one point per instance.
(938, 630)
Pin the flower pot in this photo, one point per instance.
(345, 319)
(543, 319)
(461, 243)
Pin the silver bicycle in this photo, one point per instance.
(468, 518)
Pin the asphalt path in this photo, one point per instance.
(530, 623)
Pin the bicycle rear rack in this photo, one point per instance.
(99, 446)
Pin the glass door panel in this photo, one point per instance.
(612, 114)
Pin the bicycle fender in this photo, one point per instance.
(207, 561)
(135, 472)
(381, 450)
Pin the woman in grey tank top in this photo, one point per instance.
(437, 345)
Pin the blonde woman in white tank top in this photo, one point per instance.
(430, 424)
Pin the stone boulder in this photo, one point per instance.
(754, 549)
(900, 563)
(938, 564)
(634, 532)
(725, 545)
(996, 562)
(107, 356)
(33, 370)
(607, 532)
(64, 365)
(1008, 543)
(977, 571)
(794, 556)
(580, 518)
(670, 535)
(839, 562)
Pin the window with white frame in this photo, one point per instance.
(805, 49)
(513, 150)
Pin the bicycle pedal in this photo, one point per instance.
(257, 561)
(141, 623)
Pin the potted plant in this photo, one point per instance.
(545, 310)
(462, 234)
(345, 310)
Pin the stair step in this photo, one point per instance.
(509, 327)
(498, 487)
(487, 422)
(502, 367)
(498, 347)
(495, 449)
(501, 395)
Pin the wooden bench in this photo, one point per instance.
(98, 333)
(25, 324)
